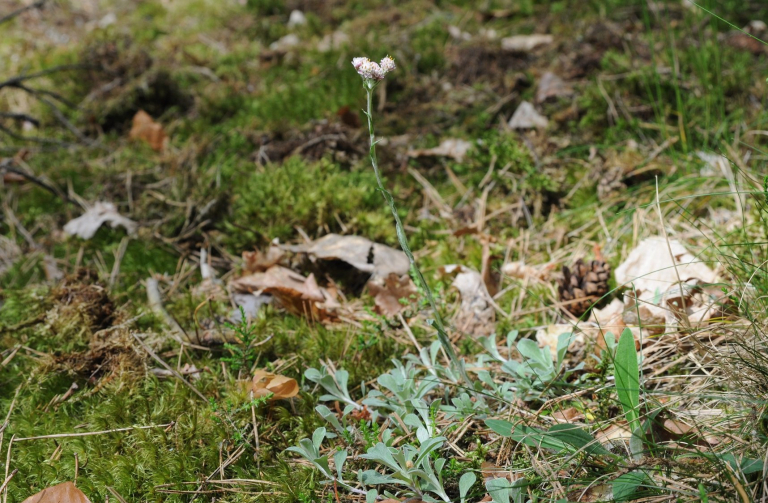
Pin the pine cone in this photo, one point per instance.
(584, 282)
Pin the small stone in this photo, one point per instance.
(526, 117)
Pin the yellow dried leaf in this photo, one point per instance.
(279, 386)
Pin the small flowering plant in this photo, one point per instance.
(373, 73)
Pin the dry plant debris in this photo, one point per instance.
(526, 117)
(86, 225)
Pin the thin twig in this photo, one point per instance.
(92, 433)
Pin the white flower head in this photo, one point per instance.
(387, 64)
(371, 71)
(357, 62)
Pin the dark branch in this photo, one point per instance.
(6, 166)
(20, 117)
(21, 78)
(21, 10)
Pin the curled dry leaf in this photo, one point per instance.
(86, 225)
(359, 252)
(62, 493)
(526, 117)
(297, 294)
(670, 284)
(257, 261)
(146, 129)
(279, 386)
(454, 148)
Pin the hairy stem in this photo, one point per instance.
(438, 321)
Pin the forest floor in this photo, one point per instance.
(166, 162)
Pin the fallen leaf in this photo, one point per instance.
(526, 117)
(146, 129)
(667, 282)
(476, 315)
(616, 433)
(525, 43)
(86, 225)
(454, 148)
(552, 86)
(388, 291)
(520, 270)
(9, 253)
(256, 261)
(62, 493)
(547, 337)
(280, 386)
(298, 294)
(569, 415)
(357, 251)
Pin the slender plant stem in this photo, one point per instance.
(438, 321)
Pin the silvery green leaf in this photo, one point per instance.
(636, 445)
(342, 378)
(372, 477)
(386, 436)
(422, 434)
(317, 437)
(313, 374)
(498, 489)
(338, 459)
(489, 344)
(322, 464)
(349, 408)
(329, 416)
(381, 454)
(428, 446)
(370, 496)
(413, 421)
(529, 349)
(465, 484)
(511, 338)
(563, 341)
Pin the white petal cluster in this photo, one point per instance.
(371, 70)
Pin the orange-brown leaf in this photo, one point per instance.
(279, 386)
(62, 493)
(146, 129)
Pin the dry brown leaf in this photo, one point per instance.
(388, 291)
(86, 225)
(552, 86)
(146, 129)
(569, 415)
(454, 148)
(280, 386)
(256, 261)
(526, 117)
(357, 251)
(297, 294)
(615, 433)
(62, 493)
